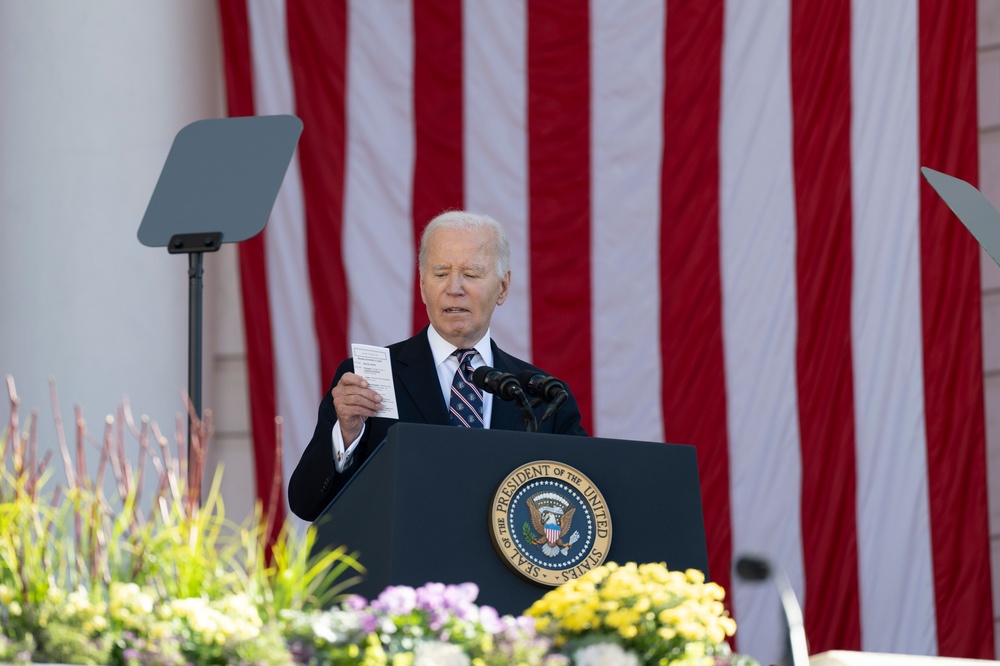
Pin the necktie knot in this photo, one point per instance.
(466, 403)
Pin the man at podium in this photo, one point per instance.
(464, 264)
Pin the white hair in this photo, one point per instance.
(461, 219)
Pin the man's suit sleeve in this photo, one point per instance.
(315, 480)
(567, 419)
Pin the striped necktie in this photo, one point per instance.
(466, 405)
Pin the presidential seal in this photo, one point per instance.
(550, 523)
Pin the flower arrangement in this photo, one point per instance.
(129, 565)
(639, 614)
(435, 624)
(101, 572)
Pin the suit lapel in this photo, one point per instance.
(418, 376)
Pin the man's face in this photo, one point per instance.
(459, 284)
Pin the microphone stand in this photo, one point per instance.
(528, 419)
(758, 569)
(555, 404)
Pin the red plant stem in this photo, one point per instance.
(127, 410)
(61, 436)
(143, 437)
(81, 455)
(14, 402)
(20, 465)
(36, 478)
(81, 476)
(15, 435)
(120, 441)
(32, 453)
(113, 451)
(105, 455)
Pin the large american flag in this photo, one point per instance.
(721, 238)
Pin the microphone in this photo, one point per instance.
(751, 568)
(504, 385)
(546, 388)
(541, 386)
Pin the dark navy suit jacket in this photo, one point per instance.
(315, 481)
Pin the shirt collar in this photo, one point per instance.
(441, 349)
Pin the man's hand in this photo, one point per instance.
(354, 403)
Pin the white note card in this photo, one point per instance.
(372, 363)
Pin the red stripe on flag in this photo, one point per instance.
(253, 271)
(437, 114)
(953, 378)
(691, 346)
(559, 191)
(317, 49)
(821, 108)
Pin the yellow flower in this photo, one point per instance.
(628, 631)
(716, 633)
(715, 591)
(643, 604)
(666, 633)
(405, 659)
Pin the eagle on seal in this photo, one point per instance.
(553, 527)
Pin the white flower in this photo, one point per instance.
(439, 654)
(335, 626)
(604, 654)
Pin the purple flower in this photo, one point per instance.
(431, 596)
(355, 602)
(396, 600)
(437, 619)
(490, 619)
(369, 622)
(464, 594)
(526, 623)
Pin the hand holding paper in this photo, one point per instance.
(372, 363)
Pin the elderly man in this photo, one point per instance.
(464, 274)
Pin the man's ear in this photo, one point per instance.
(504, 288)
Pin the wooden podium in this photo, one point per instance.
(418, 510)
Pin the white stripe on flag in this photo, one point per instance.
(626, 104)
(495, 143)
(759, 311)
(378, 238)
(897, 602)
(296, 358)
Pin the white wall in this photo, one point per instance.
(93, 94)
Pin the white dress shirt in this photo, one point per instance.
(447, 365)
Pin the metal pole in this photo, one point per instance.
(194, 346)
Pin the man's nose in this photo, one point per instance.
(456, 283)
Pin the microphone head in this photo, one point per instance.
(529, 380)
(502, 384)
(753, 568)
(539, 385)
(479, 376)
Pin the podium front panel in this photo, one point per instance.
(419, 510)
